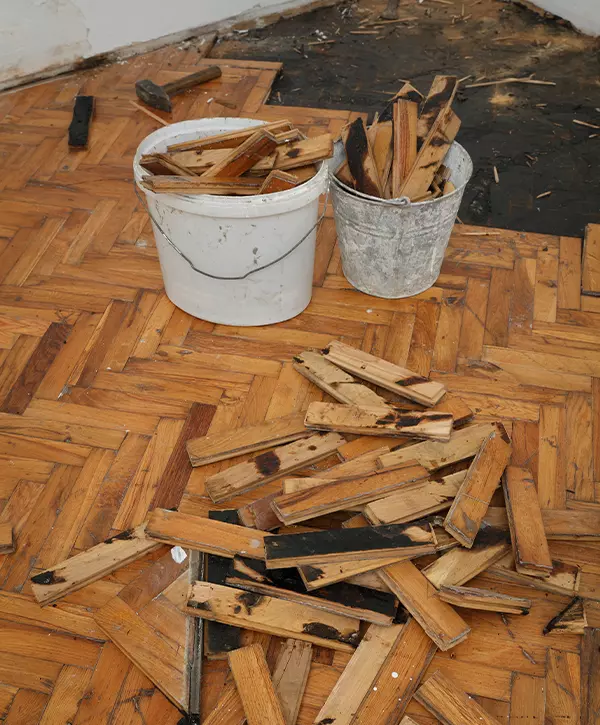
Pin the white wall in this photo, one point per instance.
(584, 14)
(36, 35)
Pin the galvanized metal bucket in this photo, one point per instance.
(392, 248)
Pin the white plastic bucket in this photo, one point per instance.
(253, 256)
(392, 248)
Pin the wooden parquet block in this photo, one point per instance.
(103, 379)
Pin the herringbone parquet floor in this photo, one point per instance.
(102, 380)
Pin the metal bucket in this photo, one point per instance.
(392, 248)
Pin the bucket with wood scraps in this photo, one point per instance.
(396, 191)
(234, 208)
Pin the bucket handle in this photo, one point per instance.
(243, 276)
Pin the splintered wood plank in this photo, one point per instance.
(562, 525)
(251, 674)
(420, 500)
(405, 143)
(379, 420)
(441, 623)
(383, 152)
(338, 495)
(572, 618)
(334, 381)
(392, 377)
(34, 371)
(460, 565)
(270, 465)
(232, 443)
(463, 444)
(359, 674)
(527, 699)
(450, 704)
(569, 273)
(91, 565)
(563, 695)
(432, 153)
(484, 599)
(369, 542)
(526, 526)
(244, 157)
(146, 648)
(360, 159)
(398, 677)
(471, 503)
(290, 676)
(343, 598)
(590, 278)
(273, 616)
(440, 97)
(228, 709)
(213, 537)
(590, 686)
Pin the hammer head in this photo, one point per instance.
(153, 95)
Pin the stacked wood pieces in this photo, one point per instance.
(366, 556)
(401, 154)
(261, 159)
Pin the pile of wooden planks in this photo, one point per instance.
(401, 154)
(260, 159)
(368, 556)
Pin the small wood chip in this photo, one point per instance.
(496, 177)
(541, 196)
(528, 80)
(584, 123)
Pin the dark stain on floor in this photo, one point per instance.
(525, 131)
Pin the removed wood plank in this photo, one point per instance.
(244, 157)
(398, 677)
(299, 153)
(439, 99)
(441, 623)
(471, 503)
(449, 704)
(334, 381)
(79, 128)
(383, 152)
(361, 161)
(432, 153)
(315, 577)
(463, 444)
(290, 676)
(273, 616)
(389, 421)
(392, 377)
(420, 500)
(260, 514)
(563, 525)
(7, 541)
(338, 495)
(460, 565)
(93, 564)
(253, 681)
(160, 164)
(590, 686)
(484, 599)
(208, 535)
(270, 465)
(356, 681)
(570, 619)
(565, 578)
(590, 277)
(221, 446)
(230, 140)
(198, 185)
(369, 542)
(405, 143)
(278, 181)
(530, 546)
(342, 598)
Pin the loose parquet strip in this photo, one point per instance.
(251, 674)
(569, 273)
(290, 676)
(449, 704)
(398, 677)
(527, 700)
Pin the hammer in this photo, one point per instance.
(159, 96)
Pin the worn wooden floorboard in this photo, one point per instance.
(102, 378)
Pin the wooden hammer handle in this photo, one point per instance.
(206, 74)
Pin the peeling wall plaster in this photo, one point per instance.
(36, 35)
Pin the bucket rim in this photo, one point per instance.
(401, 203)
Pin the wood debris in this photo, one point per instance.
(263, 159)
(401, 153)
